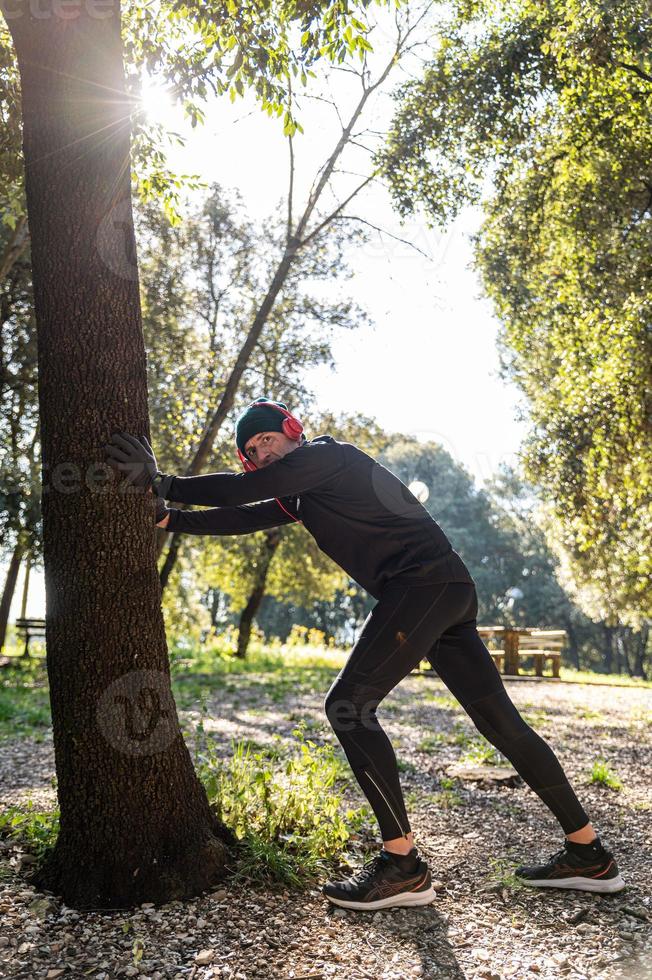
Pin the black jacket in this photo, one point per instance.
(359, 513)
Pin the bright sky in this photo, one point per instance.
(428, 366)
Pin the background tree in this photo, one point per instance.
(553, 102)
(309, 224)
(20, 511)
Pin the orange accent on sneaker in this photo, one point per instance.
(393, 888)
(609, 866)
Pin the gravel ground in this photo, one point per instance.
(480, 925)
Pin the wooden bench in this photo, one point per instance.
(521, 642)
(543, 645)
(30, 629)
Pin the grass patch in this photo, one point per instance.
(535, 719)
(24, 705)
(441, 700)
(483, 753)
(588, 714)
(573, 676)
(603, 775)
(502, 875)
(431, 742)
(445, 798)
(448, 796)
(404, 766)
(287, 818)
(36, 830)
(266, 674)
(478, 750)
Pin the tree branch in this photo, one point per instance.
(637, 71)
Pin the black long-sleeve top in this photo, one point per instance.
(359, 513)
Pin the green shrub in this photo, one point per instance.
(603, 775)
(287, 817)
(36, 830)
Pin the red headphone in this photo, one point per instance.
(291, 427)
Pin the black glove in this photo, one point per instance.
(134, 456)
(161, 510)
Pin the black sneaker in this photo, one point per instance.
(383, 882)
(591, 869)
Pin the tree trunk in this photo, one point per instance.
(23, 601)
(15, 247)
(608, 654)
(135, 823)
(272, 541)
(640, 649)
(572, 648)
(9, 588)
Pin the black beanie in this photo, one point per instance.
(258, 418)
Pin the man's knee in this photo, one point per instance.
(348, 708)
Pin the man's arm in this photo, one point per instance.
(228, 520)
(301, 470)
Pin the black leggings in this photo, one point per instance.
(437, 622)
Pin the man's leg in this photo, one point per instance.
(395, 637)
(465, 665)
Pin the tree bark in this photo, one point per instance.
(135, 821)
(9, 588)
(272, 541)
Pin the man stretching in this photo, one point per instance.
(367, 521)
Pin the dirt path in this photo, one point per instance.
(480, 926)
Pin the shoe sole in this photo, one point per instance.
(606, 886)
(403, 899)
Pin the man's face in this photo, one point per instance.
(266, 447)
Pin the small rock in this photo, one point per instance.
(41, 907)
(481, 954)
(54, 973)
(204, 957)
(578, 916)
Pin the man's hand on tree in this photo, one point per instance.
(162, 513)
(128, 454)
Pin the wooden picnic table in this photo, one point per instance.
(536, 642)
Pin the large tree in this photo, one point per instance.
(135, 821)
